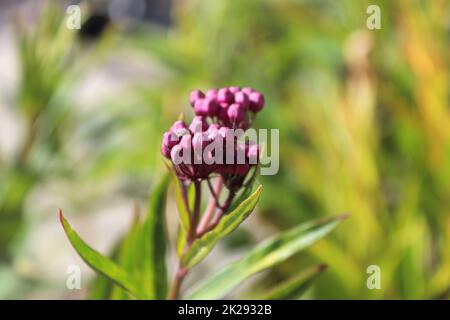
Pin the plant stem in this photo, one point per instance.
(196, 214)
(174, 291)
(219, 214)
(181, 272)
(185, 197)
(212, 205)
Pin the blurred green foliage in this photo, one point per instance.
(364, 124)
(44, 56)
(363, 115)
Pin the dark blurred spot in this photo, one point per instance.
(158, 11)
(94, 26)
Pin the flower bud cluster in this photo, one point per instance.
(209, 144)
(230, 106)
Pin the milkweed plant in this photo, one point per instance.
(211, 161)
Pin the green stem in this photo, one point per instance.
(181, 272)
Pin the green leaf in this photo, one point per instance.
(182, 232)
(294, 288)
(153, 245)
(181, 241)
(101, 288)
(100, 263)
(128, 255)
(244, 194)
(181, 193)
(201, 247)
(264, 256)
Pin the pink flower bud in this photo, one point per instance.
(194, 96)
(165, 151)
(247, 90)
(213, 127)
(234, 89)
(170, 139)
(198, 124)
(176, 154)
(210, 106)
(199, 108)
(236, 113)
(213, 131)
(186, 142)
(178, 125)
(178, 129)
(200, 140)
(227, 109)
(225, 132)
(256, 101)
(223, 114)
(224, 95)
(241, 98)
(211, 94)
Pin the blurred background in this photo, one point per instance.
(364, 122)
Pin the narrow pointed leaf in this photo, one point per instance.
(181, 241)
(294, 288)
(127, 256)
(181, 193)
(101, 287)
(264, 256)
(201, 247)
(244, 194)
(153, 244)
(100, 263)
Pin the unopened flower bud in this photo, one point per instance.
(176, 154)
(241, 98)
(223, 114)
(225, 132)
(224, 95)
(185, 142)
(179, 128)
(213, 131)
(213, 127)
(247, 90)
(165, 151)
(210, 106)
(236, 113)
(170, 139)
(256, 101)
(199, 140)
(211, 94)
(194, 96)
(199, 108)
(198, 124)
(234, 89)
(179, 124)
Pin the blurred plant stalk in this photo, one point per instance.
(48, 75)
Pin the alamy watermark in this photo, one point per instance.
(73, 281)
(228, 146)
(374, 19)
(73, 20)
(374, 279)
